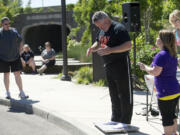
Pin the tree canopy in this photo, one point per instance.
(10, 8)
(154, 13)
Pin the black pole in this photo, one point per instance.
(147, 104)
(65, 76)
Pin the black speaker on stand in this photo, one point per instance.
(131, 20)
(131, 16)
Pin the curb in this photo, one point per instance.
(68, 124)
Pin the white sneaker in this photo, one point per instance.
(39, 71)
(110, 123)
(8, 95)
(22, 95)
(121, 125)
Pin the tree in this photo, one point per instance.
(10, 8)
(151, 12)
(82, 11)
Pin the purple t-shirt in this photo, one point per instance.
(166, 83)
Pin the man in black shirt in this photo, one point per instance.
(113, 44)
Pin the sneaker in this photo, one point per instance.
(110, 123)
(8, 95)
(34, 72)
(22, 95)
(121, 125)
(39, 71)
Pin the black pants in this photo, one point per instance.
(50, 63)
(168, 111)
(120, 88)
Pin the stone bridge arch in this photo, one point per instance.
(37, 34)
(37, 28)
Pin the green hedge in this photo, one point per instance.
(78, 50)
(84, 75)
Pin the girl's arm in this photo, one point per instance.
(155, 70)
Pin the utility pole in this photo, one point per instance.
(42, 3)
(65, 76)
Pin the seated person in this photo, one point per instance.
(27, 58)
(48, 57)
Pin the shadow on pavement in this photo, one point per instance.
(22, 106)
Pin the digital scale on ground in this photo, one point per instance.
(116, 128)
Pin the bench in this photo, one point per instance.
(57, 68)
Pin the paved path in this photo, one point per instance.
(15, 122)
(81, 103)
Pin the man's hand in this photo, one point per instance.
(104, 51)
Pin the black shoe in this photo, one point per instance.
(34, 72)
(154, 112)
(23, 97)
(8, 97)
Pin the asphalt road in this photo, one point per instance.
(15, 122)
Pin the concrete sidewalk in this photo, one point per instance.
(78, 105)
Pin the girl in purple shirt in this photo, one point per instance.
(163, 68)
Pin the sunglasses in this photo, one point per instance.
(7, 24)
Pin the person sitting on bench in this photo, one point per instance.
(27, 58)
(48, 58)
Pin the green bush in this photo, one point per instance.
(144, 55)
(59, 55)
(78, 50)
(84, 75)
(100, 83)
(58, 76)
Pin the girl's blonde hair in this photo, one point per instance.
(26, 46)
(169, 41)
(174, 14)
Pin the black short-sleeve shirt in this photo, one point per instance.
(115, 36)
(27, 55)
